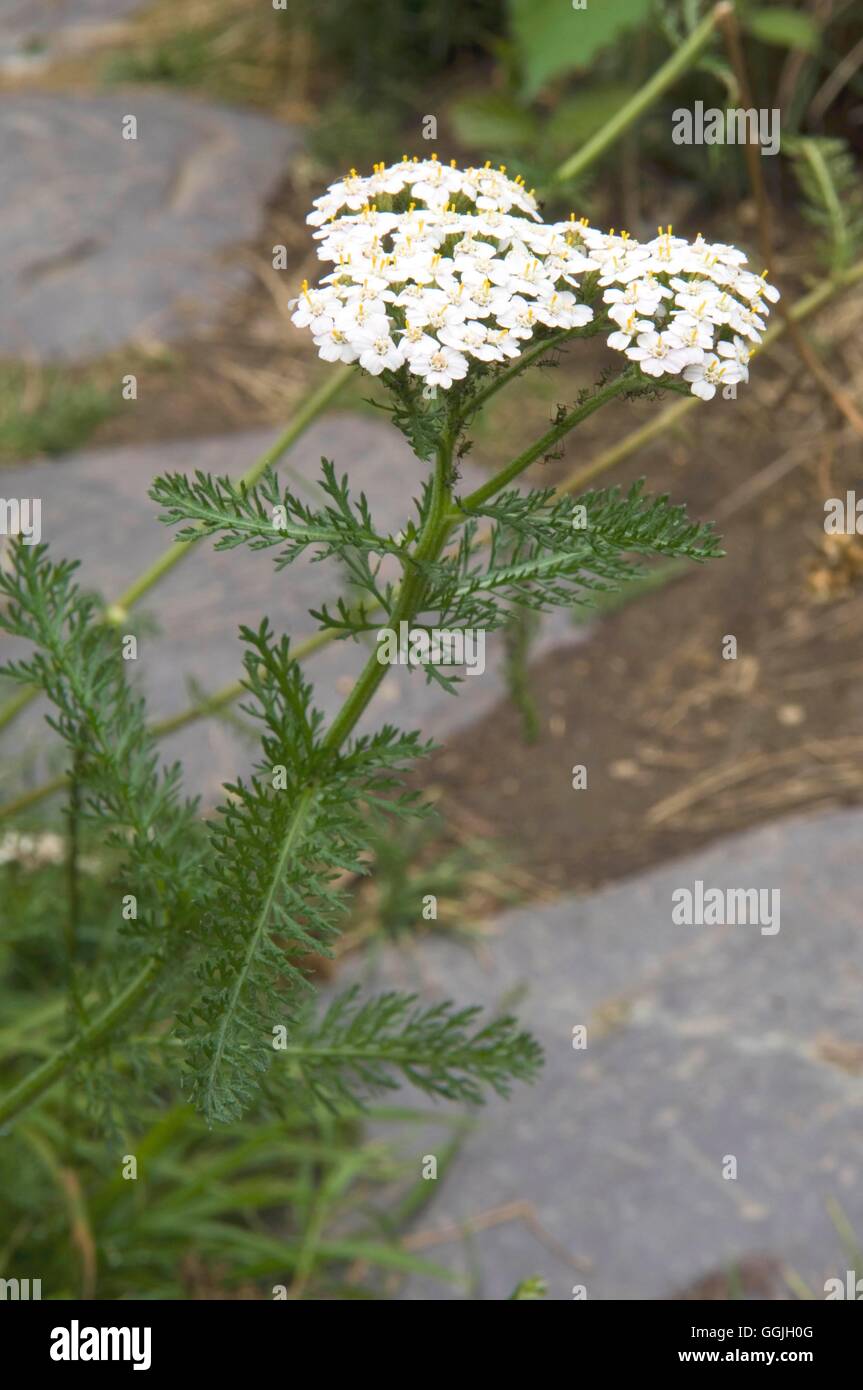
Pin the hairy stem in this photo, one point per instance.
(624, 382)
(408, 602)
(525, 360)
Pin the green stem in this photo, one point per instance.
(521, 363)
(624, 382)
(41, 1078)
(15, 705)
(682, 59)
(432, 539)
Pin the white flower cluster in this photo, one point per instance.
(435, 266)
(692, 308)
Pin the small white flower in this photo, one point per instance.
(769, 291)
(441, 368)
(697, 301)
(630, 327)
(312, 306)
(739, 353)
(693, 332)
(747, 322)
(640, 295)
(519, 316)
(334, 346)
(661, 353)
(668, 254)
(434, 313)
(378, 352)
(559, 309)
(472, 338)
(707, 375)
(415, 343)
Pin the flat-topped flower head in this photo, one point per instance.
(438, 271)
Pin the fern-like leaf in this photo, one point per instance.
(361, 1049)
(543, 553)
(832, 196)
(77, 662)
(280, 841)
(267, 516)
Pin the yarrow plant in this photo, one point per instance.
(445, 285)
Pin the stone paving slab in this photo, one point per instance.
(106, 241)
(95, 508)
(32, 29)
(702, 1042)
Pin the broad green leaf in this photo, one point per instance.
(493, 122)
(552, 37)
(785, 28)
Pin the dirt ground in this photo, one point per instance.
(680, 744)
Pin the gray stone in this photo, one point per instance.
(95, 508)
(106, 241)
(31, 30)
(703, 1041)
